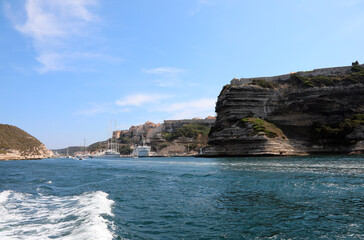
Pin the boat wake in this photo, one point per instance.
(27, 216)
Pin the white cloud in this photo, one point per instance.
(164, 71)
(139, 99)
(50, 62)
(177, 110)
(49, 20)
(97, 109)
(190, 109)
(163, 105)
(168, 76)
(53, 61)
(58, 29)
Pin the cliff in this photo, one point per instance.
(316, 112)
(16, 144)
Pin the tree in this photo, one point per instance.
(125, 150)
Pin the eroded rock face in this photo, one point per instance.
(313, 120)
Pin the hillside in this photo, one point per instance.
(71, 150)
(314, 112)
(168, 138)
(17, 144)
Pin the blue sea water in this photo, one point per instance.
(317, 197)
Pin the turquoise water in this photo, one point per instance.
(183, 198)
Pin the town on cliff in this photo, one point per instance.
(184, 137)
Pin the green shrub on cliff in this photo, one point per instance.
(12, 137)
(189, 131)
(264, 84)
(125, 150)
(316, 81)
(356, 76)
(339, 131)
(262, 126)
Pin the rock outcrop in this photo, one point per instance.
(315, 112)
(16, 144)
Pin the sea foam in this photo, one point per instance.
(27, 216)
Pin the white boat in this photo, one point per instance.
(68, 155)
(112, 146)
(141, 151)
(110, 154)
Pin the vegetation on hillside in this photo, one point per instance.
(264, 84)
(124, 140)
(125, 150)
(356, 76)
(338, 132)
(96, 146)
(192, 130)
(299, 81)
(262, 126)
(12, 137)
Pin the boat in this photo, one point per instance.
(68, 155)
(112, 146)
(84, 155)
(134, 154)
(141, 151)
(110, 154)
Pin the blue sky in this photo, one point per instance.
(69, 67)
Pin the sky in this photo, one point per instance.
(69, 67)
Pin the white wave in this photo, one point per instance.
(4, 196)
(25, 216)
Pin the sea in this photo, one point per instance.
(315, 197)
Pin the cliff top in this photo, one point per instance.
(354, 73)
(13, 138)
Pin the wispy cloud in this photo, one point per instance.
(50, 20)
(57, 28)
(199, 6)
(97, 109)
(190, 109)
(168, 76)
(54, 61)
(165, 71)
(140, 99)
(154, 103)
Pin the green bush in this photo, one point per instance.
(264, 84)
(124, 140)
(125, 150)
(356, 76)
(339, 131)
(189, 131)
(307, 82)
(260, 125)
